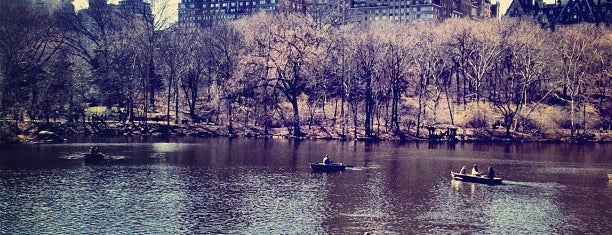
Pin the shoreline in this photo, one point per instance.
(41, 133)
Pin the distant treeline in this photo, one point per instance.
(288, 70)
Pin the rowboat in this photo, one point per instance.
(94, 157)
(100, 158)
(476, 179)
(321, 167)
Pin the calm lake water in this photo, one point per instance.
(255, 186)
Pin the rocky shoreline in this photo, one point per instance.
(33, 132)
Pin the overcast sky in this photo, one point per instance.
(173, 6)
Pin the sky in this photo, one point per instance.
(173, 6)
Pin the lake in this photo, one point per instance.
(257, 186)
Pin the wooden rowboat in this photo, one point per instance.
(100, 158)
(94, 157)
(476, 179)
(321, 167)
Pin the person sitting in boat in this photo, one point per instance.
(475, 170)
(462, 171)
(491, 173)
(94, 150)
(327, 160)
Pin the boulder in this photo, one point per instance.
(49, 136)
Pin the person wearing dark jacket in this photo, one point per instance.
(491, 173)
(327, 160)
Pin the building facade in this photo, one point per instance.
(136, 8)
(204, 12)
(552, 16)
(407, 10)
(50, 5)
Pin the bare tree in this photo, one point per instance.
(527, 58)
(396, 61)
(575, 47)
(296, 41)
(29, 40)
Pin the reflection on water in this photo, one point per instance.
(241, 186)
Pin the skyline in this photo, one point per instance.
(172, 6)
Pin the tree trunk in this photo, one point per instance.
(448, 103)
(168, 101)
(394, 109)
(572, 127)
(176, 102)
(297, 132)
(230, 124)
(152, 81)
(368, 107)
(354, 109)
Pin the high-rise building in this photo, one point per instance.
(103, 15)
(137, 8)
(204, 12)
(50, 5)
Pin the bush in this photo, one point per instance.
(8, 132)
(476, 121)
(530, 125)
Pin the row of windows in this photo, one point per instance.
(398, 10)
(210, 17)
(202, 15)
(203, 1)
(396, 18)
(392, 3)
(225, 4)
(398, 13)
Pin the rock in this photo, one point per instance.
(49, 136)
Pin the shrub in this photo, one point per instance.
(476, 121)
